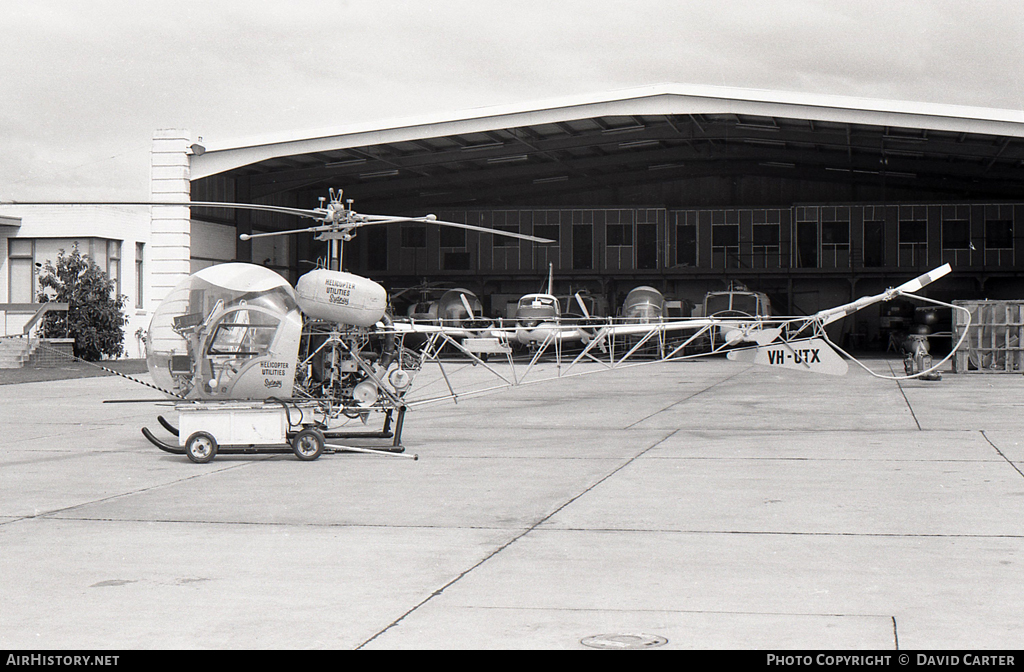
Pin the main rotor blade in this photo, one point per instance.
(430, 219)
(298, 212)
(312, 229)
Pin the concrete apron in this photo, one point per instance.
(709, 504)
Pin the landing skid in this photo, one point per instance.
(167, 425)
(173, 449)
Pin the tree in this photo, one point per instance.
(95, 316)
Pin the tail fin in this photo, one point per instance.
(806, 354)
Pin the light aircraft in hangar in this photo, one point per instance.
(253, 363)
(540, 321)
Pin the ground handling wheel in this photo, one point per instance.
(308, 444)
(201, 447)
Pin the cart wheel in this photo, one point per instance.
(308, 444)
(201, 447)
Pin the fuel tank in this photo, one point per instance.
(337, 296)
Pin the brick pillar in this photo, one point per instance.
(170, 242)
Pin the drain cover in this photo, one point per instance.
(623, 641)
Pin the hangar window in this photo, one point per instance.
(999, 234)
(549, 231)
(806, 244)
(414, 235)
(956, 234)
(507, 241)
(376, 240)
(619, 234)
(582, 246)
(452, 237)
(686, 245)
(725, 246)
(456, 261)
(646, 246)
(874, 244)
(766, 250)
(913, 242)
(835, 244)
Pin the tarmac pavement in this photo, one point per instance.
(711, 504)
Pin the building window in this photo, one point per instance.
(913, 242)
(25, 256)
(414, 235)
(20, 263)
(114, 264)
(139, 276)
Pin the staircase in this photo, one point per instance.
(14, 352)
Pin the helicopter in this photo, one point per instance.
(254, 364)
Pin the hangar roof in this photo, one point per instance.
(668, 132)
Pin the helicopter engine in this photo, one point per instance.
(350, 367)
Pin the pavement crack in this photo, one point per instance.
(685, 399)
(1001, 454)
(54, 512)
(522, 534)
(905, 399)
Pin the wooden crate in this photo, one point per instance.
(995, 339)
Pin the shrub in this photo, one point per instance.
(95, 316)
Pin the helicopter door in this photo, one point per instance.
(250, 354)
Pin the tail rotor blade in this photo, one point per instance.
(922, 280)
(830, 315)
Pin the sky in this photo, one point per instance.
(84, 85)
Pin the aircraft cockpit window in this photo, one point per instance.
(717, 303)
(745, 303)
(242, 340)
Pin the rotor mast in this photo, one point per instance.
(338, 212)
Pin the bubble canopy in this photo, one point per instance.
(227, 331)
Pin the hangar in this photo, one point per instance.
(812, 199)
(809, 198)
